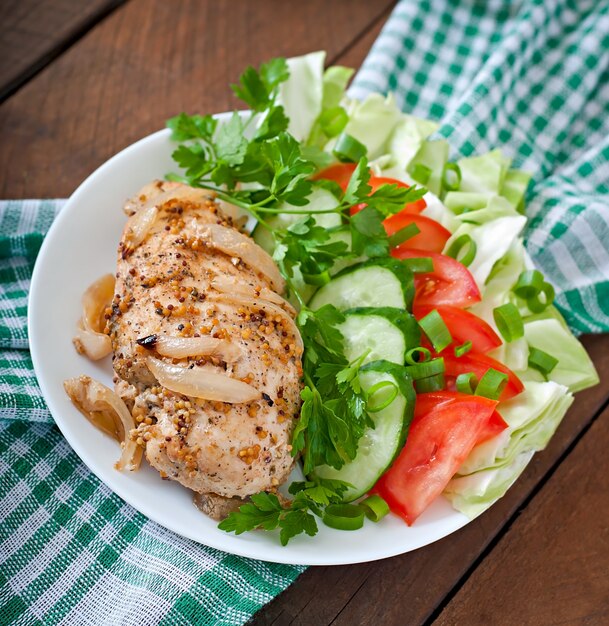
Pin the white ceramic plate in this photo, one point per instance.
(79, 248)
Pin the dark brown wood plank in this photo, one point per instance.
(148, 61)
(35, 31)
(551, 566)
(407, 589)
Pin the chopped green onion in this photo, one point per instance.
(333, 121)
(464, 348)
(412, 357)
(458, 244)
(491, 384)
(451, 177)
(403, 235)
(383, 384)
(537, 304)
(421, 173)
(467, 383)
(431, 383)
(420, 265)
(344, 516)
(436, 330)
(318, 280)
(374, 507)
(529, 284)
(541, 361)
(508, 320)
(348, 149)
(426, 368)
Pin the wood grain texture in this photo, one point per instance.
(552, 566)
(408, 589)
(148, 61)
(35, 31)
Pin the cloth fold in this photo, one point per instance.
(530, 77)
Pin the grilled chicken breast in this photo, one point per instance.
(205, 351)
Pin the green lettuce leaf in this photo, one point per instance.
(302, 94)
(575, 369)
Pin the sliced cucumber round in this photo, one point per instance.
(384, 333)
(379, 446)
(382, 282)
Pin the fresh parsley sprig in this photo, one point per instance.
(267, 511)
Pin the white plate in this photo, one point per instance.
(80, 247)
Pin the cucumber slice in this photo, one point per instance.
(385, 333)
(319, 200)
(376, 283)
(379, 446)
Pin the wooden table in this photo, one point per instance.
(80, 80)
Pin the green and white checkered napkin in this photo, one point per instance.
(531, 77)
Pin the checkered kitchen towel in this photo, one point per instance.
(532, 77)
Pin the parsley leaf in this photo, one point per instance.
(230, 144)
(266, 511)
(184, 127)
(389, 199)
(368, 235)
(258, 88)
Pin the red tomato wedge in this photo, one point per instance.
(493, 427)
(432, 236)
(339, 173)
(445, 428)
(479, 364)
(463, 326)
(450, 282)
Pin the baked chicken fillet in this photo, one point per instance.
(206, 354)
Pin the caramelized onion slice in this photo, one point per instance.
(158, 192)
(226, 284)
(137, 227)
(182, 347)
(270, 310)
(90, 339)
(200, 383)
(107, 411)
(93, 345)
(232, 242)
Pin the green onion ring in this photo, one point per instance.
(529, 284)
(431, 383)
(542, 361)
(464, 348)
(419, 265)
(467, 383)
(509, 322)
(343, 516)
(455, 171)
(375, 507)
(536, 304)
(383, 384)
(436, 330)
(402, 235)
(418, 355)
(426, 368)
(347, 149)
(458, 244)
(492, 384)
